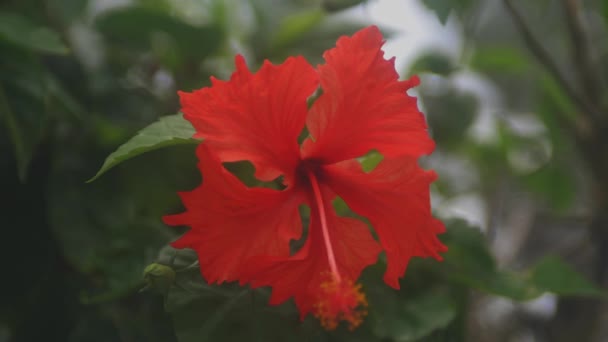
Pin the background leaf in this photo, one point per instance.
(553, 275)
(18, 30)
(295, 26)
(434, 62)
(503, 59)
(338, 5)
(469, 261)
(411, 319)
(175, 43)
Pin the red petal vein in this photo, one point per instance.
(230, 222)
(256, 117)
(395, 198)
(363, 105)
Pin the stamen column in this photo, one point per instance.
(322, 217)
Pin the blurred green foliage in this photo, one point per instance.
(79, 83)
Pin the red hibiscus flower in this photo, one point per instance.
(244, 234)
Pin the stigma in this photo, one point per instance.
(340, 300)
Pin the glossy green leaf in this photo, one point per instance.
(20, 31)
(168, 131)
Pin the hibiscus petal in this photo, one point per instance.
(256, 117)
(231, 223)
(395, 198)
(301, 275)
(363, 105)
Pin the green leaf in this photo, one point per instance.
(433, 62)
(543, 181)
(19, 31)
(442, 8)
(338, 5)
(312, 43)
(110, 229)
(168, 131)
(469, 262)
(468, 254)
(510, 285)
(66, 10)
(294, 26)
(400, 319)
(16, 135)
(193, 324)
(503, 59)
(553, 105)
(138, 27)
(553, 275)
(31, 98)
(26, 120)
(450, 115)
(554, 92)
(205, 312)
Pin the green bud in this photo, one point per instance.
(159, 277)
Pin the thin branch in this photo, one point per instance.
(545, 59)
(582, 51)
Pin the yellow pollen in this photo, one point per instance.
(340, 300)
